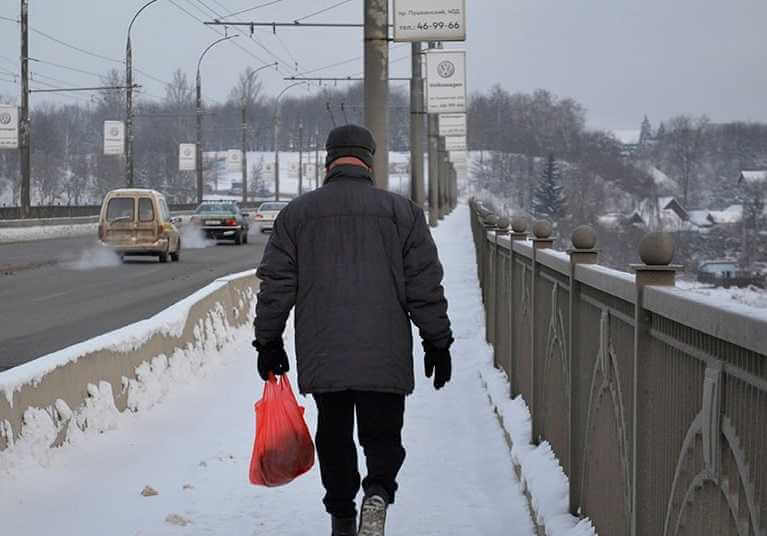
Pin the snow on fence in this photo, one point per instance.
(51, 399)
(652, 398)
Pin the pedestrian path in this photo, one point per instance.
(193, 449)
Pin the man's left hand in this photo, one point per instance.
(271, 358)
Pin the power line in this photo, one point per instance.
(248, 10)
(324, 10)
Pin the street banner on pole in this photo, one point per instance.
(445, 81)
(455, 143)
(234, 160)
(452, 124)
(187, 157)
(9, 127)
(114, 138)
(430, 20)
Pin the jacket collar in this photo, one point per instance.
(349, 172)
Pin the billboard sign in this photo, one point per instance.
(114, 138)
(9, 127)
(458, 157)
(187, 157)
(430, 20)
(234, 160)
(452, 124)
(445, 81)
(455, 143)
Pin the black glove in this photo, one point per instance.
(271, 358)
(437, 361)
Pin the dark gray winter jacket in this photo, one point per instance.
(358, 263)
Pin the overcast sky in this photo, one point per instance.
(619, 58)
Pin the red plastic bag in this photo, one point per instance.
(283, 448)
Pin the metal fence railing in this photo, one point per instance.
(654, 401)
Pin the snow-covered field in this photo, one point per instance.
(193, 448)
(752, 297)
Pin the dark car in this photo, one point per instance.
(222, 220)
(725, 273)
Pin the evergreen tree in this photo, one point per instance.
(645, 135)
(548, 198)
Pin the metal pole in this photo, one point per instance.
(377, 84)
(244, 149)
(417, 190)
(433, 170)
(441, 175)
(25, 161)
(129, 113)
(300, 158)
(199, 139)
(317, 158)
(276, 126)
(129, 166)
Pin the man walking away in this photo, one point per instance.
(359, 264)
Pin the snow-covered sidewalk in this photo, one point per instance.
(193, 448)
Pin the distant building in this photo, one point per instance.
(628, 138)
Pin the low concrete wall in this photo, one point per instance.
(202, 320)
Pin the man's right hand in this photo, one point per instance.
(271, 358)
(437, 361)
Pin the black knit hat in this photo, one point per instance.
(350, 140)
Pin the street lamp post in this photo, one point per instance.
(300, 158)
(129, 168)
(276, 130)
(198, 163)
(244, 103)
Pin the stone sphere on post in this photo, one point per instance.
(491, 220)
(656, 249)
(542, 229)
(503, 225)
(584, 237)
(519, 224)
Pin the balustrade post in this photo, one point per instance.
(518, 233)
(542, 231)
(583, 251)
(656, 251)
(500, 298)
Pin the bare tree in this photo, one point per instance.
(686, 146)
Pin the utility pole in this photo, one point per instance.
(433, 134)
(377, 84)
(417, 190)
(276, 131)
(300, 157)
(129, 113)
(26, 171)
(198, 162)
(317, 158)
(244, 185)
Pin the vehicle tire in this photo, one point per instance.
(238, 238)
(163, 257)
(176, 255)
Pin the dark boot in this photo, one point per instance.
(373, 516)
(344, 526)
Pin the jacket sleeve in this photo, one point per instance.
(425, 295)
(278, 273)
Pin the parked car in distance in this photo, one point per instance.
(725, 273)
(267, 213)
(222, 220)
(135, 221)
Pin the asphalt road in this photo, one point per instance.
(56, 293)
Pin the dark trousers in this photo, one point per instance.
(379, 426)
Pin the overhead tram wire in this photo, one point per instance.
(248, 10)
(261, 45)
(217, 32)
(321, 11)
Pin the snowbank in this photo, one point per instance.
(43, 232)
(81, 387)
